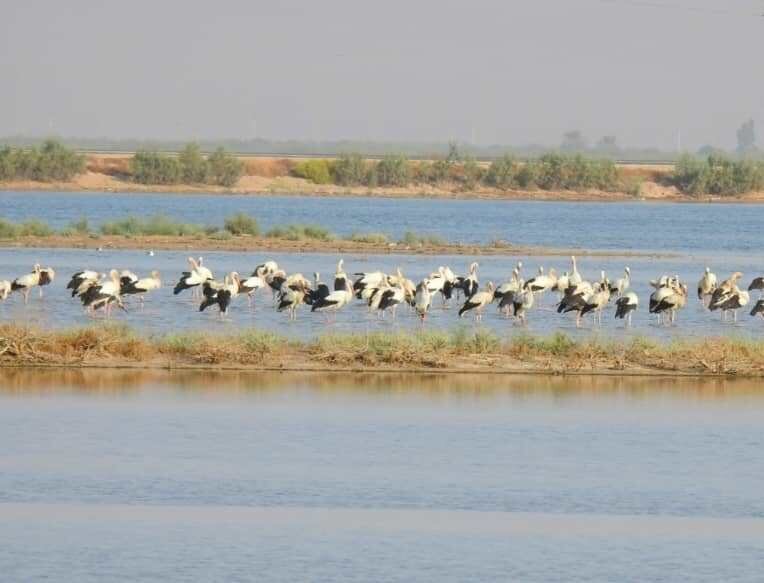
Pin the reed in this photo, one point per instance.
(110, 344)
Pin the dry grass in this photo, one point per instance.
(462, 349)
(268, 167)
(109, 165)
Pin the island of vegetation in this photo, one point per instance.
(549, 176)
(461, 350)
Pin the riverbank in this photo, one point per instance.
(461, 351)
(268, 176)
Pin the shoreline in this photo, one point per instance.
(112, 346)
(266, 176)
(246, 244)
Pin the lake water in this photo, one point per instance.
(108, 475)
(722, 236)
(691, 228)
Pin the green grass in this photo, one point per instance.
(413, 239)
(299, 232)
(242, 224)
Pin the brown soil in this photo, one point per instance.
(245, 243)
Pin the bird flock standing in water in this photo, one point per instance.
(384, 293)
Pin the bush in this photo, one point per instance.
(472, 173)
(300, 233)
(317, 171)
(155, 168)
(34, 228)
(193, 166)
(157, 225)
(224, 168)
(393, 170)
(559, 172)
(350, 170)
(52, 161)
(242, 224)
(717, 175)
(502, 173)
(8, 230)
(413, 239)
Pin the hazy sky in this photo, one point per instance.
(501, 71)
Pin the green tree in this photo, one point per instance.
(224, 168)
(350, 170)
(194, 167)
(393, 170)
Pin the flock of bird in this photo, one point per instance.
(384, 292)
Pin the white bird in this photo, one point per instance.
(542, 282)
(220, 294)
(193, 278)
(367, 280)
(625, 306)
(507, 291)
(25, 283)
(47, 275)
(621, 284)
(5, 289)
(78, 278)
(250, 286)
(523, 302)
(706, 286)
(104, 294)
(292, 296)
(574, 278)
(340, 277)
(668, 300)
(478, 301)
(390, 298)
(335, 301)
(422, 299)
(142, 286)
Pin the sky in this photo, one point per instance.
(513, 72)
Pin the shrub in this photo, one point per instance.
(157, 225)
(224, 168)
(52, 161)
(393, 170)
(155, 168)
(413, 239)
(34, 228)
(717, 175)
(350, 170)
(502, 173)
(472, 173)
(8, 230)
(317, 171)
(242, 224)
(300, 233)
(193, 166)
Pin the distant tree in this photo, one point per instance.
(224, 168)
(573, 141)
(193, 165)
(746, 138)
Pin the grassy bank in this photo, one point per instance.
(238, 232)
(461, 350)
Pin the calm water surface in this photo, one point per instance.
(692, 228)
(243, 477)
(164, 312)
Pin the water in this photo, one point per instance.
(689, 237)
(164, 312)
(243, 477)
(691, 228)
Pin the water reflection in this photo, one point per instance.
(24, 381)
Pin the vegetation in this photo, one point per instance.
(242, 224)
(459, 349)
(300, 233)
(317, 171)
(51, 161)
(190, 167)
(157, 225)
(413, 239)
(717, 175)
